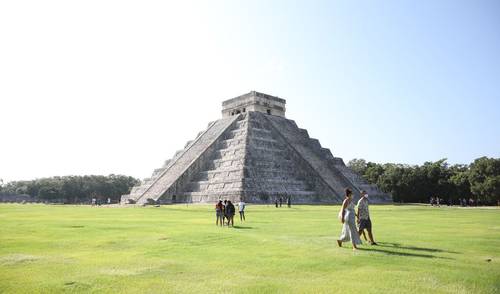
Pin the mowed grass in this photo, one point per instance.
(178, 249)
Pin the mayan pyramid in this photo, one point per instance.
(253, 152)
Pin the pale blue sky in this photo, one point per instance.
(401, 82)
(118, 86)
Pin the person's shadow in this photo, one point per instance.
(384, 248)
(242, 228)
(397, 245)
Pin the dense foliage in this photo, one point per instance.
(73, 189)
(417, 183)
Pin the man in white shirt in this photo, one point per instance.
(364, 217)
(241, 209)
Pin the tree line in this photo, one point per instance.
(479, 180)
(72, 189)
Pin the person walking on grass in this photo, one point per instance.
(348, 218)
(230, 211)
(364, 217)
(219, 212)
(241, 209)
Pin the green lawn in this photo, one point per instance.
(178, 249)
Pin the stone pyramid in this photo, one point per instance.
(256, 154)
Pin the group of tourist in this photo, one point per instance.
(97, 202)
(225, 211)
(436, 201)
(280, 202)
(349, 218)
(464, 202)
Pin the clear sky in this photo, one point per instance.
(100, 87)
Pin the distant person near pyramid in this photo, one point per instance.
(252, 154)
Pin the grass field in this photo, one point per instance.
(178, 249)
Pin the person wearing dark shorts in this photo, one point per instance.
(365, 224)
(363, 215)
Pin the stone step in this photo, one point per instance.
(231, 143)
(262, 139)
(212, 197)
(259, 131)
(283, 193)
(219, 184)
(241, 124)
(267, 163)
(266, 144)
(216, 174)
(264, 173)
(257, 124)
(273, 181)
(230, 153)
(258, 150)
(238, 137)
(225, 170)
(238, 133)
(232, 149)
(226, 162)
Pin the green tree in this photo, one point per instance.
(373, 172)
(394, 180)
(358, 165)
(72, 189)
(460, 182)
(484, 178)
(50, 188)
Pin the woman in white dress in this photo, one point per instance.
(348, 218)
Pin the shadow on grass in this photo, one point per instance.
(399, 246)
(242, 228)
(397, 253)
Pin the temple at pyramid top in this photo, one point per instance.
(254, 101)
(252, 153)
